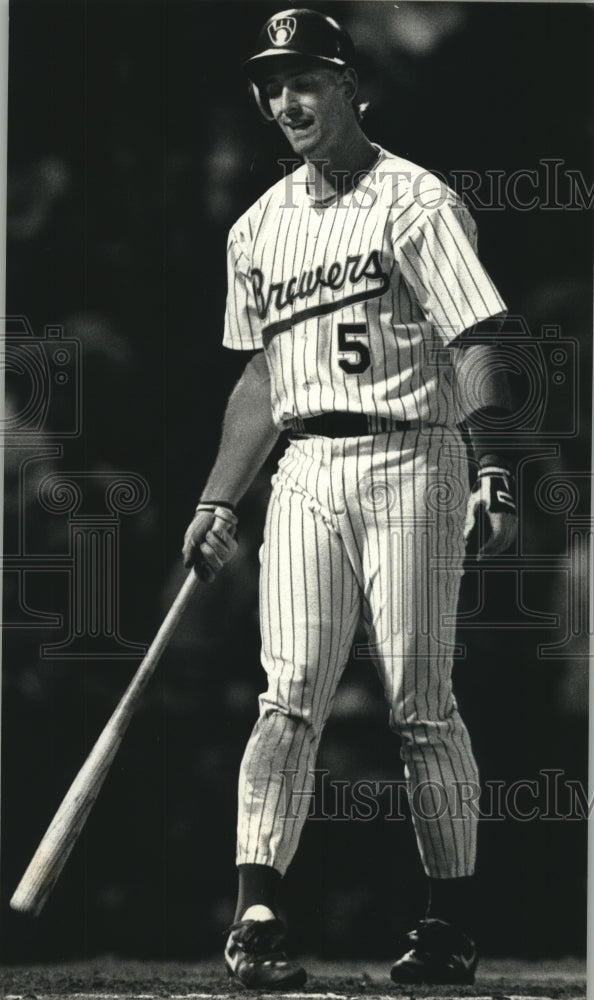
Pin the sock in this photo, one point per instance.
(258, 912)
(258, 886)
(451, 899)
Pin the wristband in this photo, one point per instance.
(501, 487)
(493, 466)
(212, 504)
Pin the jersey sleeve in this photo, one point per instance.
(242, 326)
(439, 262)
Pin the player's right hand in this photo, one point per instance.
(210, 541)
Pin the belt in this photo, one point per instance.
(338, 425)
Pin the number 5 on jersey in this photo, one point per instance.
(353, 352)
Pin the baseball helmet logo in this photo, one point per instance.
(281, 30)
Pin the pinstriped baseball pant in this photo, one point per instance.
(368, 526)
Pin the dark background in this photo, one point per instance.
(132, 148)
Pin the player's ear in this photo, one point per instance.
(350, 83)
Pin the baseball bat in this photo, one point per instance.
(60, 837)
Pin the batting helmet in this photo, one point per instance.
(297, 32)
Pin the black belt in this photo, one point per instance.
(347, 425)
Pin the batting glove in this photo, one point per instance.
(492, 510)
(210, 540)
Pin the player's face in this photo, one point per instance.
(308, 102)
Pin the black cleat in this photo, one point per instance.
(440, 953)
(255, 955)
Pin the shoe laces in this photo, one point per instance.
(436, 936)
(264, 938)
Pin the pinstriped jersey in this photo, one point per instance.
(354, 300)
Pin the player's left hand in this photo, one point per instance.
(492, 511)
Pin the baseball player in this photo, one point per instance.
(355, 286)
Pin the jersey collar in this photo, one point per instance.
(335, 198)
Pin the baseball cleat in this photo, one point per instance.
(255, 955)
(440, 953)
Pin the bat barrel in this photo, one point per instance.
(64, 829)
(61, 835)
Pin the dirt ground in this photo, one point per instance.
(111, 978)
